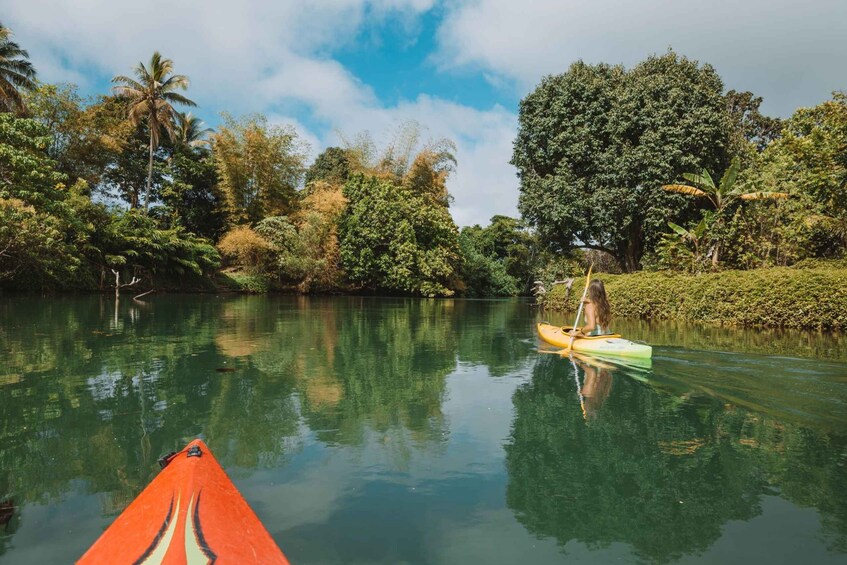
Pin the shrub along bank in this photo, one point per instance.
(804, 296)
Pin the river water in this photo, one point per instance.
(369, 430)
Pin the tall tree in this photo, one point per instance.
(394, 239)
(810, 160)
(87, 137)
(16, 73)
(259, 166)
(151, 98)
(332, 166)
(596, 143)
(749, 125)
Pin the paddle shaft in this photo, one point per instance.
(581, 304)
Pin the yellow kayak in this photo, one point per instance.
(612, 344)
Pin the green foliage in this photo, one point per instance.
(595, 144)
(777, 297)
(393, 239)
(190, 193)
(244, 281)
(750, 128)
(721, 196)
(299, 252)
(811, 159)
(481, 273)
(87, 137)
(39, 231)
(125, 176)
(331, 166)
(497, 260)
(808, 162)
(133, 243)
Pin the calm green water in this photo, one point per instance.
(421, 431)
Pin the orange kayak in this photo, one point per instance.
(190, 513)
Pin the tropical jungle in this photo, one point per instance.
(694, 204)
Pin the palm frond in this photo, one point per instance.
(765, 196)
(142, 73)
(176, 81)
(729, 176)
(707, 180)
(179, 99)
(684, 189)
(679, 229)
(16, 72)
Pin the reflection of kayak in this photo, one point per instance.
(638, 364)
(190, 513)
(612, 344)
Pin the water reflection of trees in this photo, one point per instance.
(662, 473)
(90, 396)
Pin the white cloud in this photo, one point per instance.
(272, 57)
(789, 52)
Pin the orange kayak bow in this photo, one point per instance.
(190, 513)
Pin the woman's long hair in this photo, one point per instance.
(597, 296)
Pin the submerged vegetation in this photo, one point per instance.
(615, 168)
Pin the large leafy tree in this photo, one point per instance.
(39, 232)
(259, 166)
(150, 98)
(331, 166)
(810, 160)
(189, 190)
(86, 137)
(394, 239)
(596, 143)
(497, 259)
(16, 73)
(750, 126)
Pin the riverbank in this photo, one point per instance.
(811, 295)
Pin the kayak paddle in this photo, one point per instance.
(581, 304)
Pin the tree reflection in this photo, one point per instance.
(662, 473)
(93, 390)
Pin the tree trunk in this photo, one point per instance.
(715, 255)
(149, 175)
(117, 283)
(632, 253)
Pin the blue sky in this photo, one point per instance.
(459, 68)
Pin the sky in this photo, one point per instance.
(458, 68)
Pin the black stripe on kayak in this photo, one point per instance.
(198, 531)
(161, 533)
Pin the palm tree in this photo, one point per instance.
(721, 195)
(16, 73)
(151, 97)
(189, 131)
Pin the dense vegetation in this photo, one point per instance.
(621, 161)
(808, 295)
(615, 165)
(125, 190)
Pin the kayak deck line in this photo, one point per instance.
(609, 344)
(190, 513)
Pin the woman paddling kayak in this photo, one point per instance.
(598, 313)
